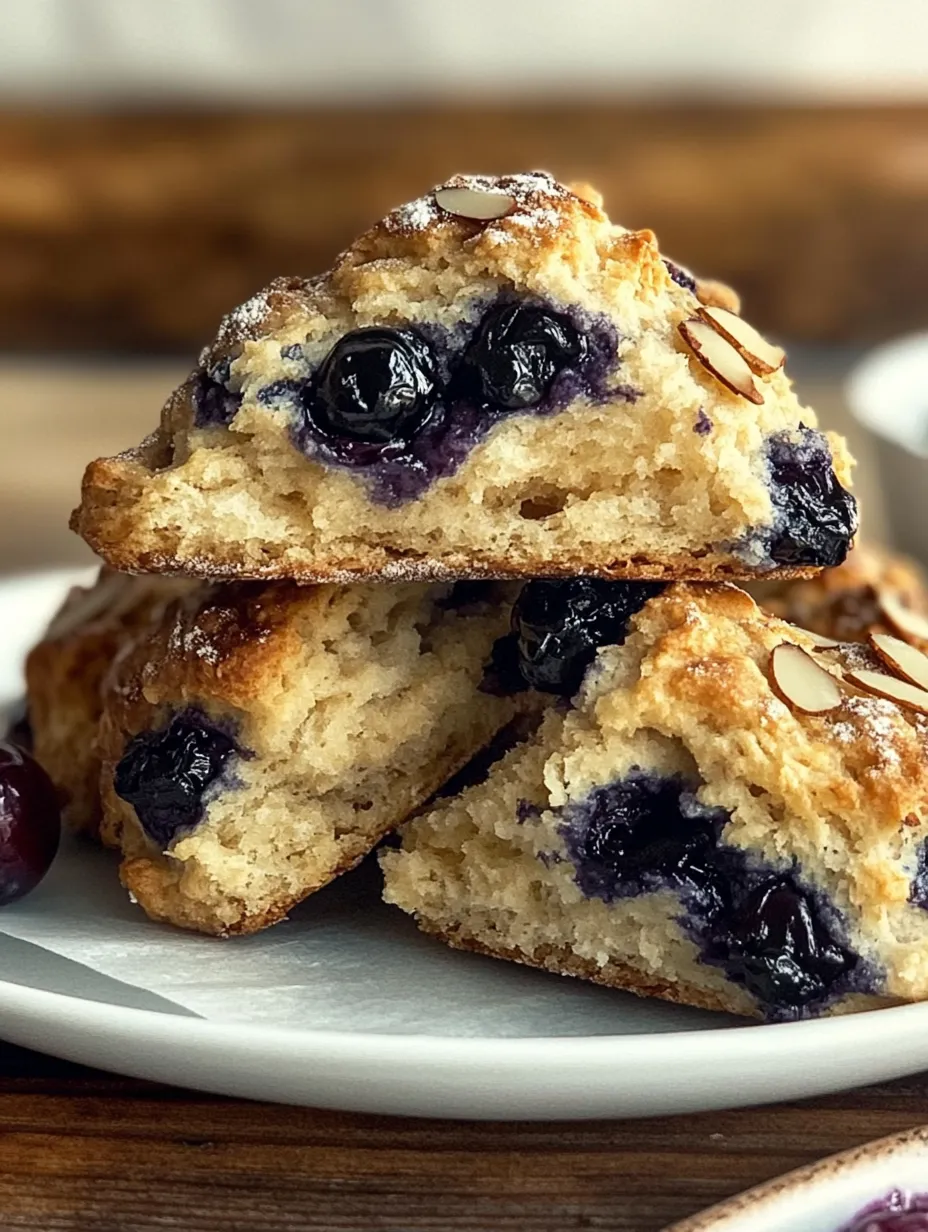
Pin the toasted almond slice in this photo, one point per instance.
(720, 357)
(801, 682)
(890, 687)
(760, 355)
(474, 203)
(820, 643)
(908, 624)
(902, 658)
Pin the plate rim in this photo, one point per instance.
(861, 1046)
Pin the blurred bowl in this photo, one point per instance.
(888, 395)
(829, 1196)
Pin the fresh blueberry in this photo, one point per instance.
(778, 948)
(815, 518)
(163, 774)
(30, 822)
(559, 626)
(515, 355)
(377, 385)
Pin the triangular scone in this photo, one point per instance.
(251, 742)
(728, 817)
(495, 380)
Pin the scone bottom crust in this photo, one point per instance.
(541, 315)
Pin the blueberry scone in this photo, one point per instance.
(65, 672)
(728, 815)
(493, 381)
(261, 738)
(874, 589)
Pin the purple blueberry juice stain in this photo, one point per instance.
(899, 1211)
(169, 774)
(780, 939)
(682, 277)
(575, 357)
(918, 891)
(703, 424)
(815, 518)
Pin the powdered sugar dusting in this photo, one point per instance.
(244, 320)
(538, 197)
(873, 719)
(193, 642)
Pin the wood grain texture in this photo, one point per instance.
(137, 231)
(80, 1150)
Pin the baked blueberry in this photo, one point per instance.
(30, 822)
(516, 353)
(641, 832)
(815, 517)
(558, 626)
(164, 774)
(779, 948)
(377, 385)
(214, 403)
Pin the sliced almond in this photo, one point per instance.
(908, 624)
(821, 643)
(474, 203)
(801, 682)
(902, 658)
(893, 689)
(760, 355)
(720, 357)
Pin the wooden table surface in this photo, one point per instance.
(85, 1150)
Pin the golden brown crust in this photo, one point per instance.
(844, 602)
(65, 675)
(561, 960)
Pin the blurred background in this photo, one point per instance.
(160, 160)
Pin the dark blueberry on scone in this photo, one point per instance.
(816, 518)
(558, 627)
(243, 745)
(165, 774)
(730, 815)
(495, 380)
(213, 400)
(375, 385)
(516, 353)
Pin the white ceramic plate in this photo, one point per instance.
(534, 1045)
(826, 1196)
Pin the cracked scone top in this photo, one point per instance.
(710, 823)
(494, 380)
